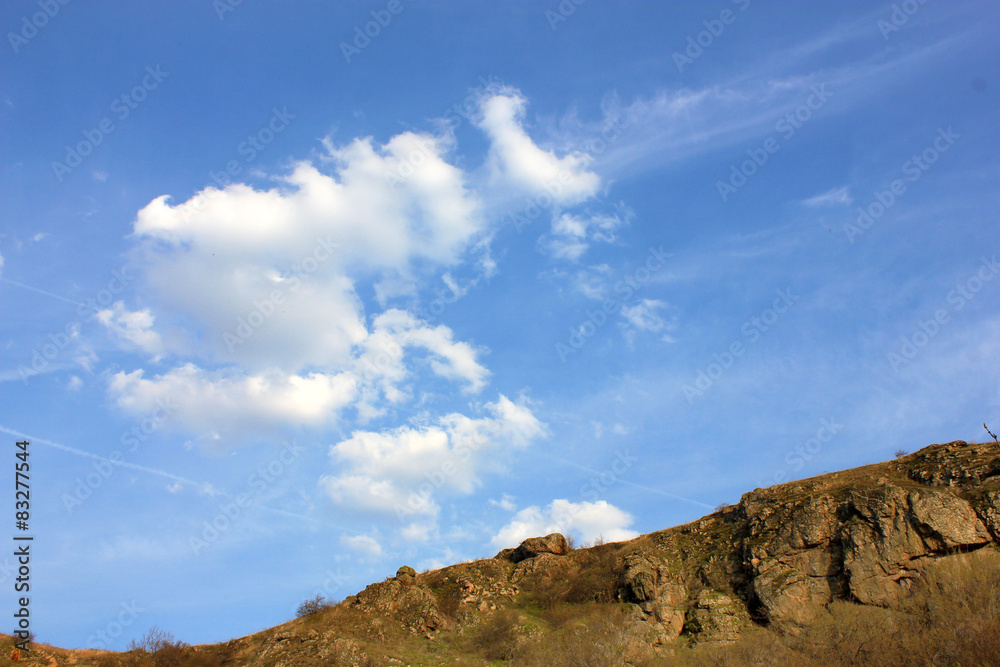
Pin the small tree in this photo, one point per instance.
(313, 605)
(900, 453)
(154, 640)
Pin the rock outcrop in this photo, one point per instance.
(554, 543)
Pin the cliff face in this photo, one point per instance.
(869, 535)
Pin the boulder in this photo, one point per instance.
(553, 543)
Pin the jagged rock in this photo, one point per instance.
(406, 575)
(892, 528)
(988, 509)
(553, 543)
(717, 618)
(411, 604)
(640, 577)
(793, 568)
(644, 581)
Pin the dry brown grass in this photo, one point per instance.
(601, 638)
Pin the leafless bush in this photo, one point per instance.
(497, 637)
(313, 605)
(154, 640)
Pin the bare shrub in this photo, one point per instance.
(497, 637)
(313, 605)
(154, 640)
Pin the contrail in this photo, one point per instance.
(161, 473)
(625, 481)
(41, 291)
(123, 464)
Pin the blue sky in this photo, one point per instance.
(287, 306)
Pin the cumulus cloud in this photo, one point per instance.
(518, 164)
(586, 520)
(400, 470)
(207, 401)
(136, 327)
(257, 292)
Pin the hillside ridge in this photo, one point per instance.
(779, 558)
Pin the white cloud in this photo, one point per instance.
(401, 470)
(204, 401)
(74, 383)
(363, 544)
(517, 164)
(572, 235)
(135, 327)
(644, 316)
(505, 503)
(256, 292)
(585, 520)
(836, 197)
(40, 236)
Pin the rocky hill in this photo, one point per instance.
(883, 543)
